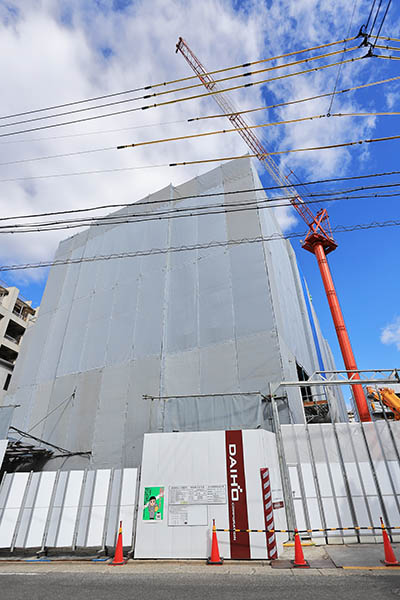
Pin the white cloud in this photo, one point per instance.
(54, 52)
(392, 99)
(391, 333)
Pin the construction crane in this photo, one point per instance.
(319, 240)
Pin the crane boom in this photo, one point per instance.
(319, 240)
(318, 224)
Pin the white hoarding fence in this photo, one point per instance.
(67, 509)
(190, 479)
(344, 476)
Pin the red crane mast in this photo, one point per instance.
(319, 240)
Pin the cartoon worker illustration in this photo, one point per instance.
(153, 509)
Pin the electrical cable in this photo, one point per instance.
(91, 151)
(261, 125)
(182, 99)
(214, 244)
(79, 173)
(98, 132)
(173, 81)
(376, 16)
(181, 89)
(201, 161)
(396, 49)
(385, 56)
(67, 453)
(370, 14)
(217, 116)
(250, 205)
(340, 66)
(275, 153)
(68, 399)
(389, 39)
(382, 22)
(127, 217)
(241, 112)
(212, 195)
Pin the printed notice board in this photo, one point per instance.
(187, 514)
(197, 494)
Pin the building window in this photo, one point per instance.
(7, 381)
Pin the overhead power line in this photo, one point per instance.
(340, 66)
(154, 211)
(175, 90)
(376, 16)
(172, 249)
(182, 99)
(395, 48)
(389, 39)
(173, 81)
(344, 91)
(329, 147)
(196, 135)
(88, 133)
(177, 213)
(215, 116)
(202, 161)
(386, 57)
(216, 194)
(262, 125)
(382, 22)
(370, 14)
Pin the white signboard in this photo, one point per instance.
(190, 514)
(197, 494)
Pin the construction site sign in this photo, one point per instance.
(197, 494)
(153, 505)
(189, 514)
(237, 500)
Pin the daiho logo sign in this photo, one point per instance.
(233, 473)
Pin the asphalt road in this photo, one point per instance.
(185, 586)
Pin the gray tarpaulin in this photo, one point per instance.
(6, 414)
(210, 413)
(211, 320)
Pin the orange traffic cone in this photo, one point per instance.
(119, 554)
(390, 559)
(215, 558)
(298, 552)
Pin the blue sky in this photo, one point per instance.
(103, 46)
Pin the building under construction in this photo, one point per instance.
(185, 336)
(156, 375)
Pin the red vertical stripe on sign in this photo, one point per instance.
(268, 514)
(237, 501)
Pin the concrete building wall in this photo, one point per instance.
(213, 320)
(16, 315)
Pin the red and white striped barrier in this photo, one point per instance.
(268, 514)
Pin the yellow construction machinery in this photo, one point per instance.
(386, 397)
